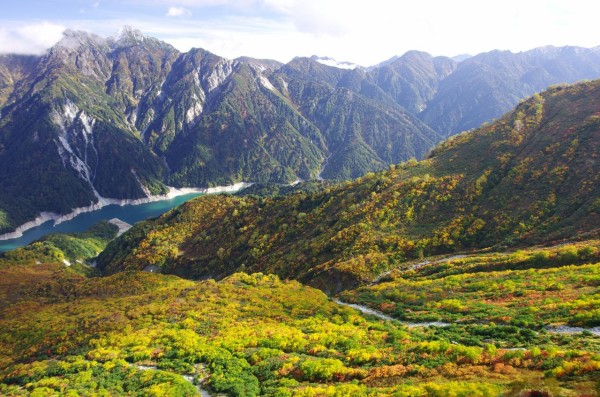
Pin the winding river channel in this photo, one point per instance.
(558, 329)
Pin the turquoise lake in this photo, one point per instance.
(128, 213)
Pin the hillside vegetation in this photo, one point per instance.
(75, 249)
(137, 333)
(528, 289)
(531, 177)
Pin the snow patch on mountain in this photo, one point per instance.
(69, 157)
(142, 186)
(69, 113)
(147, 124)
(198, 100)
(87, 122)
(336, 64)
(284, 83)
(192, 114)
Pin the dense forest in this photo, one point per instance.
(138, 333)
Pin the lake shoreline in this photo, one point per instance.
(44, 217)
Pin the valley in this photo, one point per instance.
(257, 335)
(465, 196)
(439, 277)
(179, 223)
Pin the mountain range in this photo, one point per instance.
(127, 116)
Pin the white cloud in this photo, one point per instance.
(357, 31)
(178, 12)
(209, 3)
(361, 33)
(33, 38)
(367, 32)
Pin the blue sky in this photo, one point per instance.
(365, 32)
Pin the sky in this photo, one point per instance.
(365, 32)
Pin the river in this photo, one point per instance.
(128, 213)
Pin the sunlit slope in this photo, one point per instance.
(531, 177)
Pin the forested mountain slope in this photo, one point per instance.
(530, 177)
(124, 116)
(485, 86)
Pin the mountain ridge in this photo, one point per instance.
(124, 116)
(473, 272)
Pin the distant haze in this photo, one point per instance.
(363, 32)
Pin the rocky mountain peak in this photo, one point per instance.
(127, 36)
(76, 39)
(85, 51)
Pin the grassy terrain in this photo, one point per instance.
(511, 294)
(249, 335)
(76, 250)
